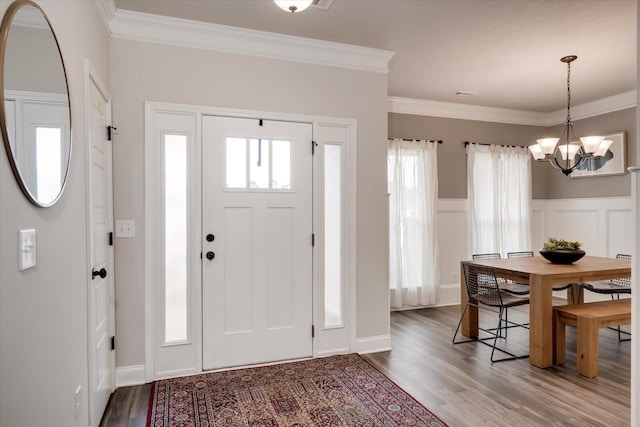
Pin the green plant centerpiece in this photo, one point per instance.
(559, 251)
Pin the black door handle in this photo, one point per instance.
(210, 255)
(102, 273)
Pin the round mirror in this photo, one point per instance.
(35, 118)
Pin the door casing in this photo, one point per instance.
(328, 340)
(95, 411)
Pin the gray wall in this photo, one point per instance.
(43, 311)
(452, 159)
(33, 62)
(152, 72)
(548, 183)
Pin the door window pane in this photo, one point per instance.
(175, 211)
(281, 175)
(236, 164)
(268, 163)
(259, 163)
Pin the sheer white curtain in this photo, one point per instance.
(499, 194)
(413, 186)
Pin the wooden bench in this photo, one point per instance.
(588, 318)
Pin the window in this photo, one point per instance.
(175, 245)
(258, 164)
(499, 192)
(332, 235)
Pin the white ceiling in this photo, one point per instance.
(508, 51)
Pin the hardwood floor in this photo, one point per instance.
(127, 407)
(461, 386)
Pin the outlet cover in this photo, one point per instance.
(125, 229)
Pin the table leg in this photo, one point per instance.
(587, 346)
(578, 294)
(541, 321)
(559, 340)
(470, 320)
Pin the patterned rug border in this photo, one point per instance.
(249, 369)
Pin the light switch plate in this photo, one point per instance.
(26, 249)
(125, 228)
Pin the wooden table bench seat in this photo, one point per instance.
(588, 318)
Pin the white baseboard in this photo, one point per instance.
(332, 352)
(449, 294)
(373, 344)
(130, 375)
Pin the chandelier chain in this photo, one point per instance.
(568, 92)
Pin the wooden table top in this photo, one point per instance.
(587, 268)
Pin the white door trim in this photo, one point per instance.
(92, 77)
(348, 337)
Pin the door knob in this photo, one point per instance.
(210, 237)
(102, 273)
(210, 255)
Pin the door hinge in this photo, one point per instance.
(313, 239)
(111, 238)
(113, 343)
(313, 331)
(110, 130)
(313, 147)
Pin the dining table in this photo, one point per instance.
(541, 275)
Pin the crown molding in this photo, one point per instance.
(222, 38)
(503, 115)
(452, 110)
(598, 107)
(106, 9)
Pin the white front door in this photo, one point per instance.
(257, 241)
(101, 293)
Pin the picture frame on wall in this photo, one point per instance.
(614, 162)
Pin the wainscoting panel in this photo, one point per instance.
(454, 246)
(620, 228)
(603, 225)
(576, 225)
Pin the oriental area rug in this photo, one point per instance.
(333, 391)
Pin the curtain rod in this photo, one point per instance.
(439, 141)
(484, 143)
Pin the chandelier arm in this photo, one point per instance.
(554, 163)
(582, 161)
(557, 165)
(572, 132)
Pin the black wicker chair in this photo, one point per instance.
(507, 286)
(564, 287)
(483, 292)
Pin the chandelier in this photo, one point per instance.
(293, 6)
(573, 152)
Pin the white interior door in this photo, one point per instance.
(101, 293)
(257, 241)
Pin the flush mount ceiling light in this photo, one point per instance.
(293, 6)
(574, 153)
